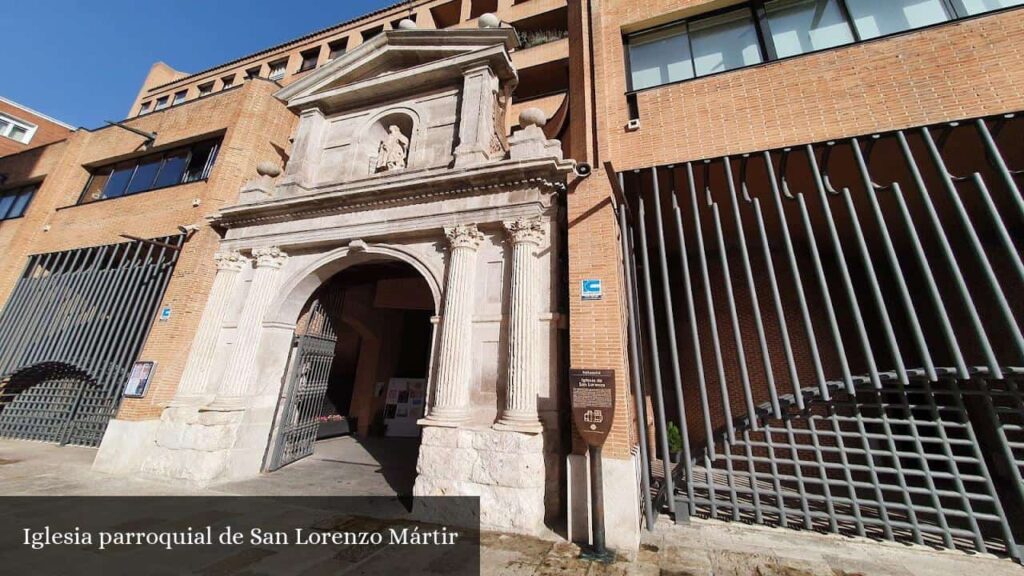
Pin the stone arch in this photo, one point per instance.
(375, 128)
(299, 287)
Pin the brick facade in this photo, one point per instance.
(255, 127)
(47, 129)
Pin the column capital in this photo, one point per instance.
(464, 236)
(525, 231)
(231, 261)
(272, 257)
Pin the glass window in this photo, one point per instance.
(203, 156)
(253, 72)
(161, 102)
(724, 42)
(172, 170)
(179, 97)
(177, 166)
(227, 82)
(799, 26)
(874, 18)
(277, 69)
(21, 201)
(94, 190)
(309, 58)
(144, 176)
(205, 89)
(337, 48)
(15, 129)
(144, 108)
(971, 7)
(660, 57)
(6, 201)
(117, 183)
(18, 133)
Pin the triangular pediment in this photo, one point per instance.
(397, 59)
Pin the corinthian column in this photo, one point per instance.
(194, 381)
(455, 352)
(520, 413)
(242, 369)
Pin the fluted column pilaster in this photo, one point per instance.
(455, 352)
(237, 381)
(520, 410)
(192, 389)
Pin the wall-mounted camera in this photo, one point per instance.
(583, 169)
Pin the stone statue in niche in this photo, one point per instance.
(393, 150)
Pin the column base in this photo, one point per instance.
(445, 417)
(506, 471)
(441, 423)
(524, 426)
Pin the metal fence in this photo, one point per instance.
(70, 332)
(833, 330)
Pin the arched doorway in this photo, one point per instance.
(357, 375)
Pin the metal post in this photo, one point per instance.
(597, 552)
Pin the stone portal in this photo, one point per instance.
(400, 157)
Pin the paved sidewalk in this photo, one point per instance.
(703, 548)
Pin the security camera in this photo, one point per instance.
(583, 169)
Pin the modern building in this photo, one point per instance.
(789, 231)
(22, 128)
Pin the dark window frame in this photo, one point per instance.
(204, 174)
(306, 56)
(283, 63)
(766, 43)
(337, 48)
(14, 192)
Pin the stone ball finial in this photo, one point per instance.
(406, 24)
(488, 20)
(532, 117)
(267, 168)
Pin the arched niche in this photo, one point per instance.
(376, 131)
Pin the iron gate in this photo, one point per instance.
(310, 370)
(833, 328)
(71, 331)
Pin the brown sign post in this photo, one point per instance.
(593, 409)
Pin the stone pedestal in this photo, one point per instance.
(192, 390)
(505, 469)
(450, 404)
(237, 383)
(520, 411)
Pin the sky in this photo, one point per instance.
(83, 61)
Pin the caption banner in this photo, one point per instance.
(240, 535)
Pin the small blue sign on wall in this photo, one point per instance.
(590, 289)
(165, 313)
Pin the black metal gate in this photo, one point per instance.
(70, 332)
(833, 329)
(309, 377)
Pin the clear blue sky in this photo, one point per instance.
(83, 61)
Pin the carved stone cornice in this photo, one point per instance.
(464, 236)
(272, 257)
(401, 189)
(525, 231)
(230, 261)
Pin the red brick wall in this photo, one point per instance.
(255, 126)
(46, 131)
(958, 70)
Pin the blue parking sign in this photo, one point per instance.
(590, 289)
